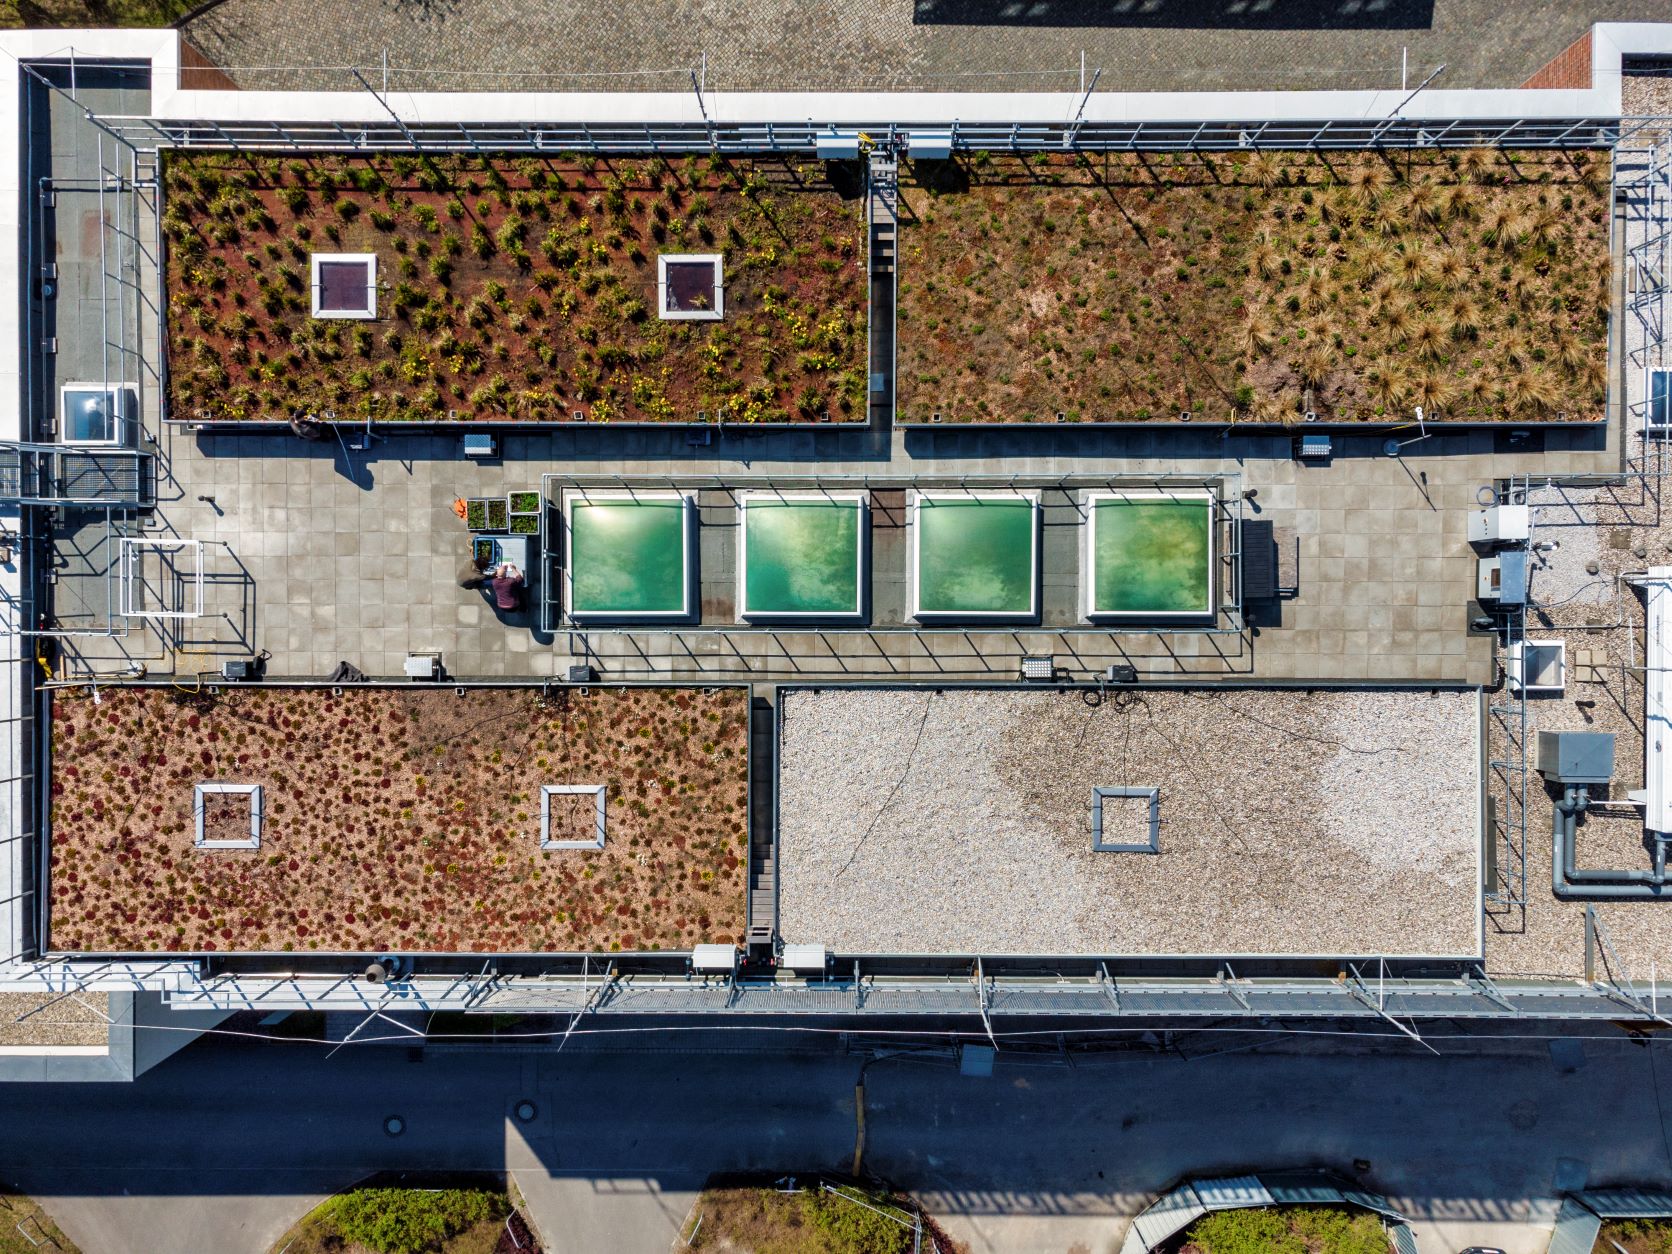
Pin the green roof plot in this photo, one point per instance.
(801, 556)
(975, 556)
(1149, 554)
(629, 555)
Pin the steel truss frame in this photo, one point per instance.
(978, 992)
(708, 135)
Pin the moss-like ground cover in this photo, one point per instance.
(1129, 287)
(512, 289)
(403, 821)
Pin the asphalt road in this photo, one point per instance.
(220, 1148)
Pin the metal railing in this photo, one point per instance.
(1508, 711)
(1643, 188)
(57, 474)
(706, 134)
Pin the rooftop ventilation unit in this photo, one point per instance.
(929, 145)
(1500, 524)
(840, 146)
(1502, 578)
(712, 959)
(1569, 757)
(804, 959)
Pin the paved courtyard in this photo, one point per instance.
(869, 45)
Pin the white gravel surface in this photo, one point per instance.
(1292, 822)
(1646, 95)
(52, 1020)
(1611, 525)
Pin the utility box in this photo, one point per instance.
(423, 666)
(1568, 757)
(1313, 448)
(712, 959)
(839, 146)
(1500, 524)
(804, 959)
(1502, 578)
(929, 145)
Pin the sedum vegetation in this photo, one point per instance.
(400, 821)
(1128, 287)
(512, 289)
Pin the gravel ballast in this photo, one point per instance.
(1340, 822)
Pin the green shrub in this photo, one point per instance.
(1646, 1234)
(851, 1227)
(1245, 1232)
(1297, 1230)
(408, 1221)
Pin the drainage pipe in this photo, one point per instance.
(1571, 884)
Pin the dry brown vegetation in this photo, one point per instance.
(1130, 287)
(513, 289)
(403, 821)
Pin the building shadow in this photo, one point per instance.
(1181, 14)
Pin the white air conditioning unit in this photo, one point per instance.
(804, 959)
(1500, 524)
(714, 958)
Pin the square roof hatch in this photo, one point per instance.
(691, 286)
(344, 285)
(95, 413)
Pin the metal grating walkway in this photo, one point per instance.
(50, 474)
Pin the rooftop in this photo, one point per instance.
(404, 821)
(512, 289)
(898, 45)
(1133, 287)
(1329, 822)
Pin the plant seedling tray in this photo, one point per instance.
(487, 513)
